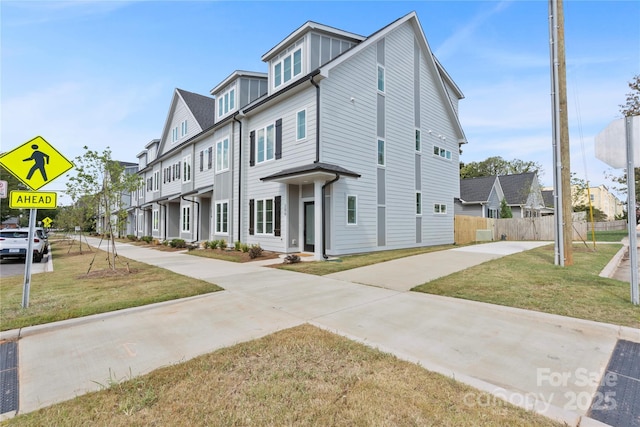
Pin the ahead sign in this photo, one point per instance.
(33, 200)
(35, 163)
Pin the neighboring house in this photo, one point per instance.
(479, 196)
(347, 144)
(523, 194)
(483, 196)
(602, 199)
(549, 202)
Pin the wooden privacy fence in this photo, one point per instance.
(608, 225)
(538, 228)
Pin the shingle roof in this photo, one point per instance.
(202, 107)
(313, 167)
(517, 187)
(476, 189)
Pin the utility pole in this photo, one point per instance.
(562, 174)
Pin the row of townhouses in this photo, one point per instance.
(347, 144)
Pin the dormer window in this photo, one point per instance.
(227, 101)
(287, 67)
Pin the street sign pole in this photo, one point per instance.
(26, 289)
(633, 236)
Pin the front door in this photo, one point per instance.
(309, 227)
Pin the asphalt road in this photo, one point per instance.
(15, 267)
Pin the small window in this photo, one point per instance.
(183, 127)
(418, 203)
(381, 152)
(277, 74)
(352, 213)
(156, 220)
(381, 78)
(418, 140)
(265, 143)
(439, 208)
(156, 181)
(441, 152)
(301, 125)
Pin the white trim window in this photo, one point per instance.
(222, 155)
(288, 67)
(301, 125)
(264, 216)
(174, 134)
(441, 152)
(227, 101)
(156, 220)
(352, 210)
(222, 217)
(186, 219)
(381, 79)
(186, 168)
(439, 208)
(418, 140)
(265, 143)
(418, 203)
(183, 128)
(381, 152)
(141, 222)
(156, 181)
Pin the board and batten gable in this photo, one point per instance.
(349, 133)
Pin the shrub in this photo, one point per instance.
(244, 248)
(146, 239)
(131, 237)
(213, 244)
(291, 259)
(222, 244)
(178, 243)
(255, 251)
(237, 245)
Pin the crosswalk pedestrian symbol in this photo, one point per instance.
(35, 163)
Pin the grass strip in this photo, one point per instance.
(530, 280)
(69, 292)
(297, 377)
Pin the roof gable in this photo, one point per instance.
(200, 108)
(439, 74)
(518, 187)
(477, 189)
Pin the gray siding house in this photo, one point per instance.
(347, 144)
(483, 196)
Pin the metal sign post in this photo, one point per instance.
(633, 236)
(29, 259)
(623, 135)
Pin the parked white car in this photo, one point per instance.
(14, 244)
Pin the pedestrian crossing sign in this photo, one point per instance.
(35, 163)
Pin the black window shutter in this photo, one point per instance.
(251, 217)
(252, 148)
(201, 161)
(276, 215)
(278, 138)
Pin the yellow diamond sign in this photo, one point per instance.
(35, 163)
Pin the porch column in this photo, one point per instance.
(317, 195)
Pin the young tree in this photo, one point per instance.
(101, 182)
(505, 210)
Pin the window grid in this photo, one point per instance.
(222, 217)
(301, 125)
(264, 216)
(222, 155)
(381, 152)
(439, 208)
(186, 219)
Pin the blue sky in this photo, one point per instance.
(102, 73)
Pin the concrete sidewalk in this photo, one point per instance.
(515, 354)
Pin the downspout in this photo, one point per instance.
(324, 217)
(239, 175)
(164, 222)
(317, 122)
(197, 217)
